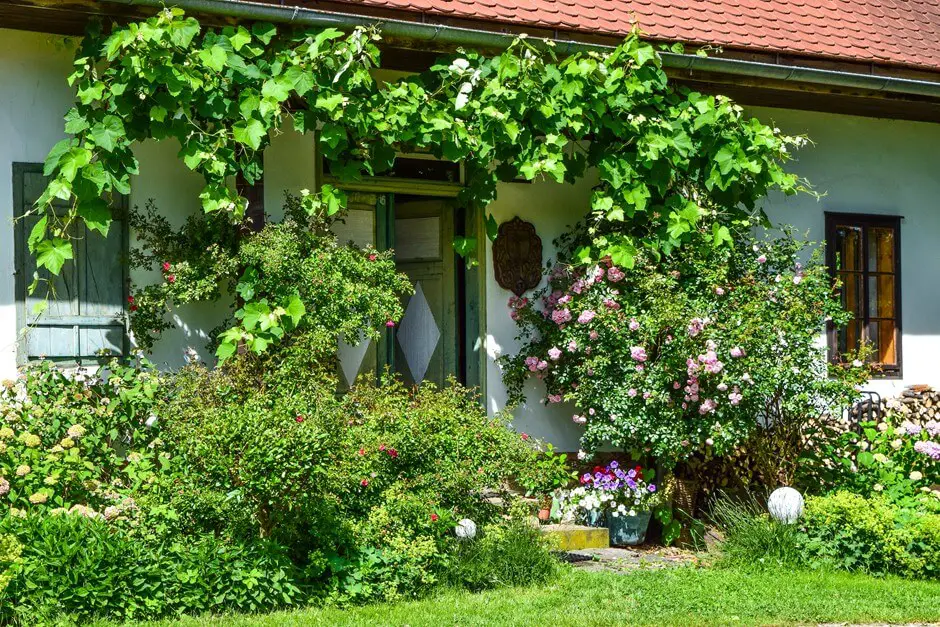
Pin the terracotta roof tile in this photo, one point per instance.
(901, 32)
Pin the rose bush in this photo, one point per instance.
(685, 354)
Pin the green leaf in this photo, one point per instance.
(248, 103)
(72, 161)
(720, 235)
(249, 132)
(182, 32)
(330, 101)
(865, 458)
(492, 228)
(214, 58)
(53, 253)
(90, 93)
(158, 114)
(75, 122)
(465, 246)
(37, 233)
(108, 131)
(55, 155)
(263, 31)
(96, 214)
(295, 309)
(225, 350)
(333, 198)
(240, 38)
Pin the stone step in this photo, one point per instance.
(577, 537)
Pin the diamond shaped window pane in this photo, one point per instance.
(418, 334)
(351, 356)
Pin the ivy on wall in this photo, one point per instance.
(675, 167)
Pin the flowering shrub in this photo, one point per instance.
(900, 460)
(82, 443)
(684, 355)
(611, 491)
(292, 277)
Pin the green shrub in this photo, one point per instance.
(843, 531)
(851, 532)
(81, 441)
(10, 550)
(84, 568)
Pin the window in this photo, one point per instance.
(864, 252)
(86, 316)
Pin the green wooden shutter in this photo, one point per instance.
(87, 314)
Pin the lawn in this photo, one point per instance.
(684, 596)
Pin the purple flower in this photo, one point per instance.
(930, 449)
(614, 465)
(651, 487)
(933, 428)
(554, 353)
(586, 316)
(911, 428)
(638, 353)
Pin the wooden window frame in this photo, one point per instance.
(867, 221)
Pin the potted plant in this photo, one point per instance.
(623, 499)
(548, 474)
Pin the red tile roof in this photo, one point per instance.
(898, 32)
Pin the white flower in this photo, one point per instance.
(916, 475)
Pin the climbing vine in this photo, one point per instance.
(673, 166)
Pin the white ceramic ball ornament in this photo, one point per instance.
(785, 505)
(466, 529)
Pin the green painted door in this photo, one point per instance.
(425, 339)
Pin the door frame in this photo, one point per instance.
(470, 333)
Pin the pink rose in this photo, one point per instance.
(634, 324)
(638, 353)
(554, 353)
(586, 316)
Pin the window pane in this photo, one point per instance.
(881, 296)
(883, 340)
(880, 249)
(852, 294)
(848, 337)
(849, 247)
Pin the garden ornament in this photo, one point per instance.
(466, 529)
(785, 505)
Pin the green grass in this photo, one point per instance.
(685, 596)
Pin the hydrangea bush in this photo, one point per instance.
(687, 353)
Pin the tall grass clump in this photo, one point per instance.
(751, 536)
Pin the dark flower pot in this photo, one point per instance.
(628, 530)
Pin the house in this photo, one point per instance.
(860, 78)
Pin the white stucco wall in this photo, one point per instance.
(877, 166)
(33, 98)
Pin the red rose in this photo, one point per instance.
(166, 266)
(381, 447)
(130, 298)
(525, 436)
(299, 418)
(434, 517)
(364, 482)
(392, 452)
(390, 323)
(171, 278)
(373, 257)
(133, 307)
(362, 452)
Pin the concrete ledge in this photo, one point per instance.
(577, 537)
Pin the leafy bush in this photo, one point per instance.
(852, 532)
(85, 441)
(897, 460)
(687, 354)
(85, 568)
(10, 551)
(842, 531)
